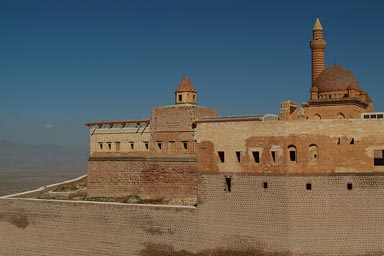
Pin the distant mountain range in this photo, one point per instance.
(24, 166)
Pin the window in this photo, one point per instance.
(180, 97)
(109, 145)
(132, 143)
(340, 116)
(265, 184)
(338, 141)
(313, 153)
(117, 145)
(256, 156)
(228, 183)
(194, 97)
(378, 157)
(171, 145)
(101, 145)
(221, 156)
(238, 156)
(349, 186)
(292, 153)
(352, 141)
(185, 145)
(159, 145)
(146, 144)
(309, 186)
(274, 156)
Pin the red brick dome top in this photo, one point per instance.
(336, 78)
(186, 86)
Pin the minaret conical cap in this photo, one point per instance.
(186, 86)
(317, 25)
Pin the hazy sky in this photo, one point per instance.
(65, 63)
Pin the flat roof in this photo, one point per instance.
(237, 118)
(146, 121)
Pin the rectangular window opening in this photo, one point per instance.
(349, 186)
(309, 186)
(352, 141)
(292, 156)
(256, 156)
(265, 184)
(132, 145)
(159, 145)
(185, 145)
(338, 141)
(238, 156)
(221, 156)
(109, 145)
(101, 145)
(146, 144)
(180, 97)
(228, 182)
(378, 159)
(274, 156)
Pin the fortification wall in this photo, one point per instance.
(285, 217)
(166, 178)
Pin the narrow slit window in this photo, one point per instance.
(238, 156)
(146, 144)
(132, 145)
(256, 156)
(228, 183)
(309, 186)
(338, 141)
(352, 141)
(109, 145)
(180, 97)
(159, 145)
(185, 145)
(101, 145)
(265, 184)
(378, 159)
(349, 186)
(274, 156)
(221, 156)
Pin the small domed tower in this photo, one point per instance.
(185, 92)
(317, 45)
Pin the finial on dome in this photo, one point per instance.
(317, 25)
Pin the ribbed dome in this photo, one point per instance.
(336, 78)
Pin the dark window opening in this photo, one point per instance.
(101, 145)
(159, 145)
(180, 97)
(380, 116)
(265, 184)
(228, 182)
(338, 141)
(221, 156)
(194, 97)
(185, 145)
(256, 156)
(292, 156)
(274, 156)
(378, 159)
(146, 144)
(309, 186)
(238, 156)
(109, 145)
(352, 141)
(132, 145)
(366, 116)
(349, 186)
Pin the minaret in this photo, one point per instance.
(317, 45)
(185, 92)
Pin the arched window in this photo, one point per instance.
(317, 116)
(292, 154)
(313, 153)
(340, 116)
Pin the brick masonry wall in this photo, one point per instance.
(147, 177)
(249, 220)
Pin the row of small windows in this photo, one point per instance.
(264, 184)
(292, 155)
(117, 145)
(171, 145)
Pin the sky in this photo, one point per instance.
(64, 63)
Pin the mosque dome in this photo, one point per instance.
(336, 78)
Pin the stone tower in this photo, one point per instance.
(185, 92)
(317, 45)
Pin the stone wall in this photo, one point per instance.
(166, 178)
(285, 217)
(323, 146)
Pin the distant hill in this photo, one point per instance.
(24, 166)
